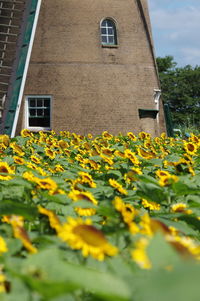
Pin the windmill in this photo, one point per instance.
(83, 66)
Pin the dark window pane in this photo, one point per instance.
(46, 112)
(110, 31)
(39, 112)
(111, 40)
(32, 102)
(103, 30)
(47, 103)
(40, 102)
(103, 23)
(39, 122)
(104, 39)
(32, 112)
(110, 23)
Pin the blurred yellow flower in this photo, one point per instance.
(26, 133)
(150, 205)
(47, 183)
(3, 246)
(117, 186)
(53, 219)
(190, 148)
(17, 149)
(77, 195)
(139, 254)
(6, 171)
(82, 235)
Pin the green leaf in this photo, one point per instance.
(151, 192)
(183, 189)
(160, 252)
(179, 225)
(47, 274)
(182, 283)
(10, 207)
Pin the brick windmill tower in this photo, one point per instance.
(83, 66)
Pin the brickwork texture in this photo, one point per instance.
(94, 88)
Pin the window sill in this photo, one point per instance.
(37, 129)
(109, 46)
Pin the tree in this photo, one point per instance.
(181, 90)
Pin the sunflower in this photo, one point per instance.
(17, 223)
(180, 207)
(89, 136)
(150, 205)
(162, 173)
(53, 219)
(107, 135)
(194, 139)
(31, 165)
(163, 135)
(26, 133)
(20, 233)
(41, 171)
(118, 204)
(35, 159)
(19, 160)
(87, 178)
(117, 186)
(131, 156)
(185, 245)
(77, 195)
(4, 140)
(47, 183)
(107, 151)
(190, 148)
(117, 153)
(107, 159)
(29, 176)
(146, 225)
(130, 176)
(128, 212)
(93, 165)
(82, 235)
(63, 144)
(17, 149)
(139, 253)
(131, 136)
(5, 171)
(168, 180)
(146, 154)
(133, 228)
(144, 135)
(3, 246)
(50, 153)
(58, 168)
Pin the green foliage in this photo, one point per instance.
(181, 90)
(40, 265)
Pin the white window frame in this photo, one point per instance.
(36, 128)
(107, 34)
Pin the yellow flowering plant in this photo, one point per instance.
(98, 217)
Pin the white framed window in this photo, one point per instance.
(108, 32)
(38, 112)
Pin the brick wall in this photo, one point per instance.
(93, 88)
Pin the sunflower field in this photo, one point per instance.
(86, 218)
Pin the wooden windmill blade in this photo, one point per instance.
(17, 25)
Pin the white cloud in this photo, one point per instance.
(176, 27)
(191, 55)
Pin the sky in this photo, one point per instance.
(176, 29)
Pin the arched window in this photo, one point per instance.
(108, 32)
